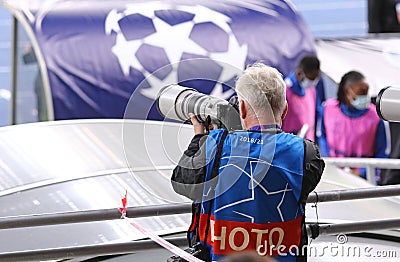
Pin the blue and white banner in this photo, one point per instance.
(99, 53)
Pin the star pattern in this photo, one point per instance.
(171, 36)
(175, 40)
(232, 65)
(156, 84)
(111, 24)
(253, 183)
(125, 52)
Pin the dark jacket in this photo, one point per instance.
(382, 17)
(191, 170)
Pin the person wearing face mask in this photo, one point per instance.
(350, 125)
(304, 94)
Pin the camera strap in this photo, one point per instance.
(207, 124)
(214, 180)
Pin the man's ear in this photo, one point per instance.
(285, 111)
(243, 110)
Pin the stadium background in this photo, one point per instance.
(325, 18)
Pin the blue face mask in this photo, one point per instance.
(361, 102)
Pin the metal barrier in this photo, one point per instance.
(159, 210)
(356, 227)
(92, 215)
(170, 209)
(369, 163)
(351, 194)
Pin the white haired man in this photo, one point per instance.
(250, 186)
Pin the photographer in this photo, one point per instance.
(250, 186)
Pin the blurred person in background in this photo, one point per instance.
(350, 125)
(29, 57)
(304, 95)
(383, 16)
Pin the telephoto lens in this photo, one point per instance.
(176, 102)
(388, 104)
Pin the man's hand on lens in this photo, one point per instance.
(198, 127)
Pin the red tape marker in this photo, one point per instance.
(156, 238)
(122, 209)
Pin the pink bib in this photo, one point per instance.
(301, 111)
(350, 137)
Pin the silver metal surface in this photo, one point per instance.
(92, 215)
(388, 104)
(354, 194)
(87, 165)
(361, 226)
(14, 64)
(363, 162)
(369, 163)
(91, 251)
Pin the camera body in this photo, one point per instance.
(388, 104)
(176, 102)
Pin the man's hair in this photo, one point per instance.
(349, 77)
(309, 64)
(263, 88)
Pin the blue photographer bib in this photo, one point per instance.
(255, 203)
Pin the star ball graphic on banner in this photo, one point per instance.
(94, 58)
(174, 34)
